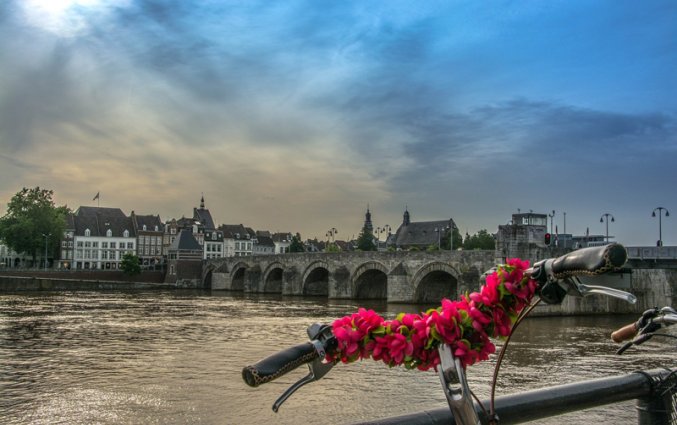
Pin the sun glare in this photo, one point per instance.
(62, 17)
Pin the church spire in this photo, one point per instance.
(406, 220)
(202, 201)
(367, 220)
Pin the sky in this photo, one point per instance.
(297, 116)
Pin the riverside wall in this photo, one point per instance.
(9, 284)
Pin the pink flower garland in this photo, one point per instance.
(466, 325)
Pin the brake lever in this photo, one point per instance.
(322, 339)
(317, 369)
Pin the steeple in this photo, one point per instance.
(367, 221)
(202, 202)
(406, 220)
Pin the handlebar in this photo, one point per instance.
(278, 364)
(558, 277)
(645, 327)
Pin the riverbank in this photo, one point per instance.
(69, 282)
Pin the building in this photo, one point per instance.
(282, 242)
(420, 235)
(237, 240)
(185, 255)
(203, 229)
(264, 245)
(101, 237)
(149, 238)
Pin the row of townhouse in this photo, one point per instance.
(98, 238)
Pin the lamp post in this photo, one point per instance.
(606, 216)
(46, 236)
(551, 217)
(660, 227)
(331, 233)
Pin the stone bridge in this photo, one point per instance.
(405, 276)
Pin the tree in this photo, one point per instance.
(480, 240)
(296, 244)
(458, 239)
(332, 247)
(130, 264)
(365, 241)
(32, 220)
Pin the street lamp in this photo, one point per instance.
(551, 217)
(601, 220)
(46, 236)
(660, 228)
(331, 233)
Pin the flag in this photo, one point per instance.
(96, 197)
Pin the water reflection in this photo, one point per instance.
(176, 357)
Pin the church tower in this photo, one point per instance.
(406, 220)
(367, 221)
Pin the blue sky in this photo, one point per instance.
(296, 115)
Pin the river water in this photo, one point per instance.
(176, 358)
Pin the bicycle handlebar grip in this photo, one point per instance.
(590, 261)
(624, 333)
(278, 364)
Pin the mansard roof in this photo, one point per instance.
(420, 233)
(149, 220)
(185, 241)
(94, 211)
(282, 237)
(100, 222)
(204, 217)
(234, 231)
(265, 241)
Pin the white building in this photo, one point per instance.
(102, 237)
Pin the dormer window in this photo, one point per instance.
(88, 233)
(156, 228)
(213, 236)
(125, 234)
(109, 233)
(144, 227)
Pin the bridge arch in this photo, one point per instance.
(316, 279)
(273, 277)
(220, 267)
(370, 281)
(237, 276)
(435, 281)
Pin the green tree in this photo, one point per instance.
(480, 240)
(332, 247)
(296, 244)
(32, 218)
(130, 264)
(365, 241)
(458, 239)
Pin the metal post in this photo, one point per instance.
(660, 224)
(46, 238)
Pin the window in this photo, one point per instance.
(88, 244)
(125, 234)
(80, 244)
(130, 245)
(213, 236)
(109, 233)
(172, 230)
(104, 255)
(70, 244)
(156, 228)
(112, 245)
(78, 253)
(144, 227)
(95, 244)
(171, 269)
(237, 245)
(104, 245)
(87, 233)
(63, 244)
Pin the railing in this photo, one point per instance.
(655, 392)
(652, 252)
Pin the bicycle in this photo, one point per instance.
(451, 337)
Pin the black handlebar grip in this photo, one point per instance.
(278, 364)
(590, 261)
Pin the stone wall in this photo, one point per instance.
(21, 284)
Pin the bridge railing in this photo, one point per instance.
(652, 252)
(655, 392)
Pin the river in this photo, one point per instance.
(176, 358)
